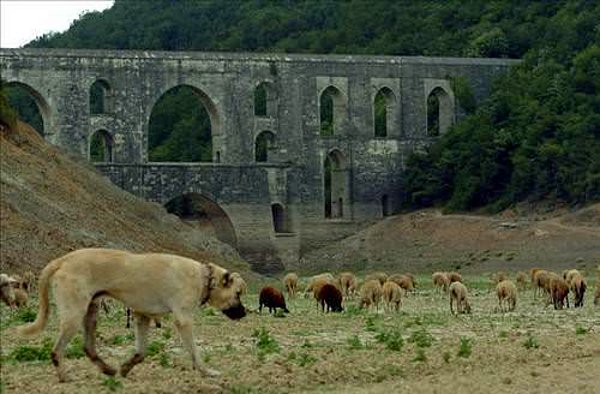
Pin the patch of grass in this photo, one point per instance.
(421, 338)
(75, 348)
(370, 323)
(155, 347)
(420, 356)
(354, 342)
(164, 360)
(279, 313)
(503, 334)
(264, 342)
(26, 314)
(209, 312)
(531, 343)
(305, 359)
(446, 356)
(112, 383)
(167, 333)
(465, 348)
(306, 344)
(579, 330)
(27, 353)
(352, 310)
(393, 340)
(118, 339)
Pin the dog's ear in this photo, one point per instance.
(226, 279)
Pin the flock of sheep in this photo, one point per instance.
(329, 291)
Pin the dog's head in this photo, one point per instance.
(225, 292)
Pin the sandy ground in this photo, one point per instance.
(308, 351)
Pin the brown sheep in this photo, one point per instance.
(290, 281)
(7, 290)
(454, 277)
(559, 291)
(507, 291)
(348, 283)
(380, 276)
(271, 298)
(541, 279)
(315, 282)
(532, 273)
(392, 295)
(568, 275)
(440, 280)
(578, 286)
(521, 280)
(332, 296)
(459, 294)
(404, 281)
(370, 294)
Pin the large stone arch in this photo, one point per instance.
(43, 108)
(210, 107)
(440, 108)
(336, 186)
(204, 213)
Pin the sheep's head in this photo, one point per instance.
(7, 292)
(225, 290)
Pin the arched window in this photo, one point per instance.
(264, 143)
(331, 111)
(100, 97)
(260, 100)
(336, 185)
(280, 221)
(101, 144)
(440, 112)
(383, 110)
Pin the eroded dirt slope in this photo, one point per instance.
(51, 204)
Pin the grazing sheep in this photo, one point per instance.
(568, 275)
(370, 294)
(578, 286)
(271, 298)
(459, 294)
(540, 280)
(559, 291)
(521, 280)
(332, 296)
(380, 276)
(348, 283)
(404, 281)
(7, 290)
(290, 281)
(507, 292)
(532, 273)
(597, 294)
(498, 277)
(317, 281)
(392, 295)
(454, 277)
(29, 281)
(440, 280)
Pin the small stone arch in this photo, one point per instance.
(440, 111)
(336, 185)
(205, 214)
(332, 111)
(208, 105)
(101, 97)
(281, 223)
(263, 144)
(101, 147)
(30, 105)
(384, 105)
(265, 99)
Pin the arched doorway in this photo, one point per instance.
(204, 214)
(332, 107)
(101, 147)
(280, 218)
(181, 126)
(336, 186)
(29, 105)
(383, 109)
(440, 112)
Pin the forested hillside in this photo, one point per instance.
(536, 138)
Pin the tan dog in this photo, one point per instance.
(151, 284)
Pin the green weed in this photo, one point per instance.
(579, 330)
(421, 338)
(466, 347)
(167, 333)
(264, 342)
(164, 360)
(75, 348)
(155, 347)
(32, 353)
(393, 340)
(531, 343)
(420, 356)
(112, 383)
(354, 342)
(118, 339)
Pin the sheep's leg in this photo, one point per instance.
(184, 325)
(128, 317)
(142, 324)
(89, 330)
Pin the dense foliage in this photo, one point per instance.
(536, 137)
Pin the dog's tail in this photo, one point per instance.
(43, 289)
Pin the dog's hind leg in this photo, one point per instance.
(142, 323)
(89, 330)
(185, 326)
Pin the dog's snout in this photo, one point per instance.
(235, 312)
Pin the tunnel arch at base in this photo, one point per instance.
(203, 213)
(43, 109)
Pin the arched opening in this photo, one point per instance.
(265, 141)
(385, 205)
(336, 185)
(383, 106)
(100, 97)
(260, 100)
(205, 215)
(101, 145)
(181, 125)
(280, 219)
(440, 112)
(331, 111)
(29, 105)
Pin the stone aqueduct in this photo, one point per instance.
(311, 188)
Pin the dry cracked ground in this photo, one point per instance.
(421, 349)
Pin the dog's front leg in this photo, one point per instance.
(185, 326)
(142, 323)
